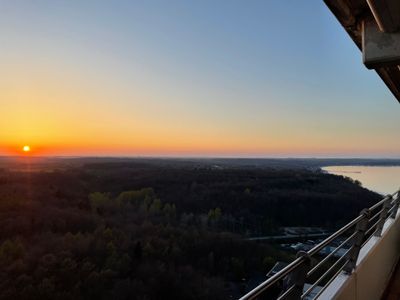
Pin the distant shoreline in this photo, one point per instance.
(314, 164)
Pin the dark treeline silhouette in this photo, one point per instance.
(139, 230)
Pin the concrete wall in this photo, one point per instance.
(375, 265)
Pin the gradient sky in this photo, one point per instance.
(193, 78)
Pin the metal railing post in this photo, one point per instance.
(395, 207)
(361, 228)
(383, 216)
(296, 273)
(298, 277)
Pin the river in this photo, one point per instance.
(384, 180)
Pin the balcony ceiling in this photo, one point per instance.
(386, 16)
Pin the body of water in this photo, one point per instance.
(384, 180)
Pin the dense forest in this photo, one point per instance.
(101, 229)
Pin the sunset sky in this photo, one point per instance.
(188, 78)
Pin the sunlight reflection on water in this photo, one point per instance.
(384, 180)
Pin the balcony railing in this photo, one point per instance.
(317, 270)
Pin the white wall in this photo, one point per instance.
(375, 265)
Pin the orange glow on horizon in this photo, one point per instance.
(144, 127)
(63, 97)
(202, 148)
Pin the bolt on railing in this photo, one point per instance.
(296, 274)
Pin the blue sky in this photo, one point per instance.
(224, 78)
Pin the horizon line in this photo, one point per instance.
(196, 157)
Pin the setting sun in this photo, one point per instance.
(226, 149)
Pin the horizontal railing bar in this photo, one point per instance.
(289, 268)
(330, 280)
(335, 235)
(390, 211)
(374, 226)
(325, 274)
(287, 292)
(374, 216)
(371, 228)
(376, 205)
(274, 279)
(331, 254)
(316, 249)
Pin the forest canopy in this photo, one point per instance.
(110, 230)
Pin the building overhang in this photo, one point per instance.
(374, 26)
